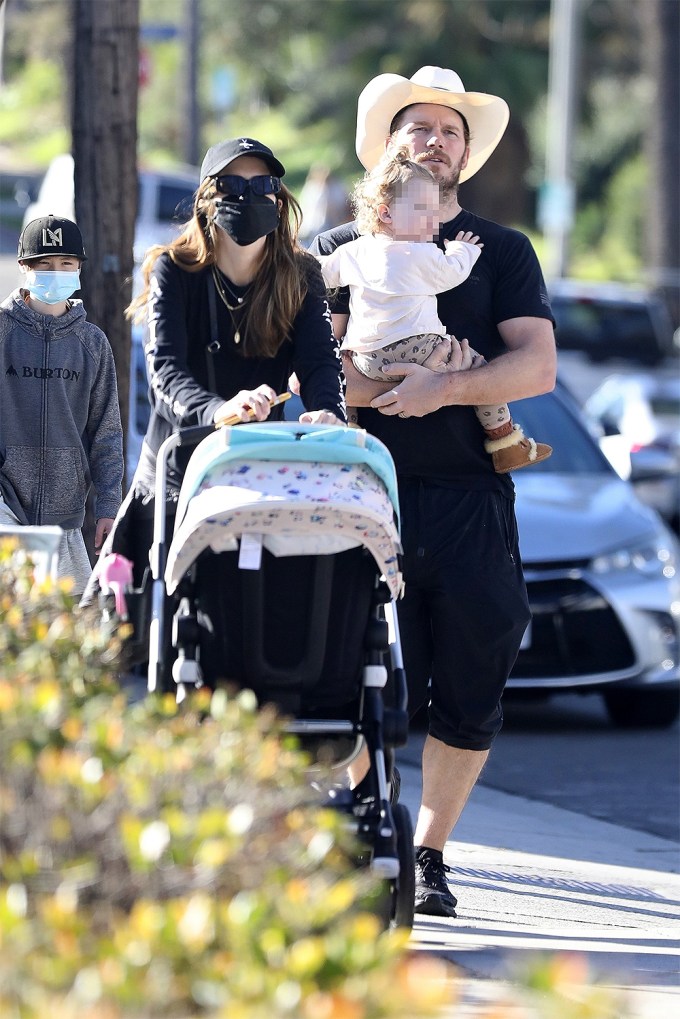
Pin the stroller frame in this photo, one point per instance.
(383, 827)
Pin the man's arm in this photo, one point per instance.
(527, 369)
(361, 391)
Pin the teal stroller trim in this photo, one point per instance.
(310, 489)
(290, 441)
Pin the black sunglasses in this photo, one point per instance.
(234, 187)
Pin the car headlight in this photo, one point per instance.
(654, 558)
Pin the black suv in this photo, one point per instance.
(611, 320)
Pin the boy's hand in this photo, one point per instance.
(102, 531)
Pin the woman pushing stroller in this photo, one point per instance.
(233, 306)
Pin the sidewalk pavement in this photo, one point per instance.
(535, 880)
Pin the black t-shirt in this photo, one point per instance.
(506, 282)
(188, 382)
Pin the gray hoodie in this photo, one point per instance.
(60, 429)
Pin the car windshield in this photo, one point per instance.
(586, 320)
(175, 203)
(547, 419)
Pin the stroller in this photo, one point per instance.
(282, 568)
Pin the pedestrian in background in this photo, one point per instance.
(60, 429)
(465, 608)
(324, 202)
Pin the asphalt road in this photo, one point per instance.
(566, 752)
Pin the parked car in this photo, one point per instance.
(165, 200)
(602, 574)
(17, 191)
(642, 411)
(611, 321)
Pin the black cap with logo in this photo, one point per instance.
(50, 235)
(219, 156)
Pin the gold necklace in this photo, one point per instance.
(221, 287)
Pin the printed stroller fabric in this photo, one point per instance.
(293, 508)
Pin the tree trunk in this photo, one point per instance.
(104, 133)
(662, 241)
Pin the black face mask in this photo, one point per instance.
(247, 221)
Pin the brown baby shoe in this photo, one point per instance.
(516, 450)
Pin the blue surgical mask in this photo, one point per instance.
(52, 287)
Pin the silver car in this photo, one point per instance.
(642, 411)
(602, 575)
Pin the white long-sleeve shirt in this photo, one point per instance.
(393, 286)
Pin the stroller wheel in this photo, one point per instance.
(404, 888)
(395, 901)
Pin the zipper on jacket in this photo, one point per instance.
(43, 425)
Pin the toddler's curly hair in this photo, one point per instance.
(382, 184)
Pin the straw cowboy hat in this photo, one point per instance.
(385, 95)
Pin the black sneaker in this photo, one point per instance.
(433, 896)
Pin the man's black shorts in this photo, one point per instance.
(465, 609)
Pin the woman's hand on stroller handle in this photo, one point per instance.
(248, 405)
(194, 434)
(320, 417)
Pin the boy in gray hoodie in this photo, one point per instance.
(60, 430)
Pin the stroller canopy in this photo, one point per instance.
(295, 489)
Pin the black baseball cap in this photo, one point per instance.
(50, 235)
(219, 156)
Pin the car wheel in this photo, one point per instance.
(641, 709)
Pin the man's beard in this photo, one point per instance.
(448, 188)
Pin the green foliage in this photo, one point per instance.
(296, 68)
(32, 118)
(605, 243)
(165, 860)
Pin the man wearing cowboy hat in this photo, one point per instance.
(465, 609)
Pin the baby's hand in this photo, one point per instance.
(450, 355)
(439, 359)
(469, 238)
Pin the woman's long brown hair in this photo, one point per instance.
(279, 288)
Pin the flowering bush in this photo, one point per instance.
(165, 860)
